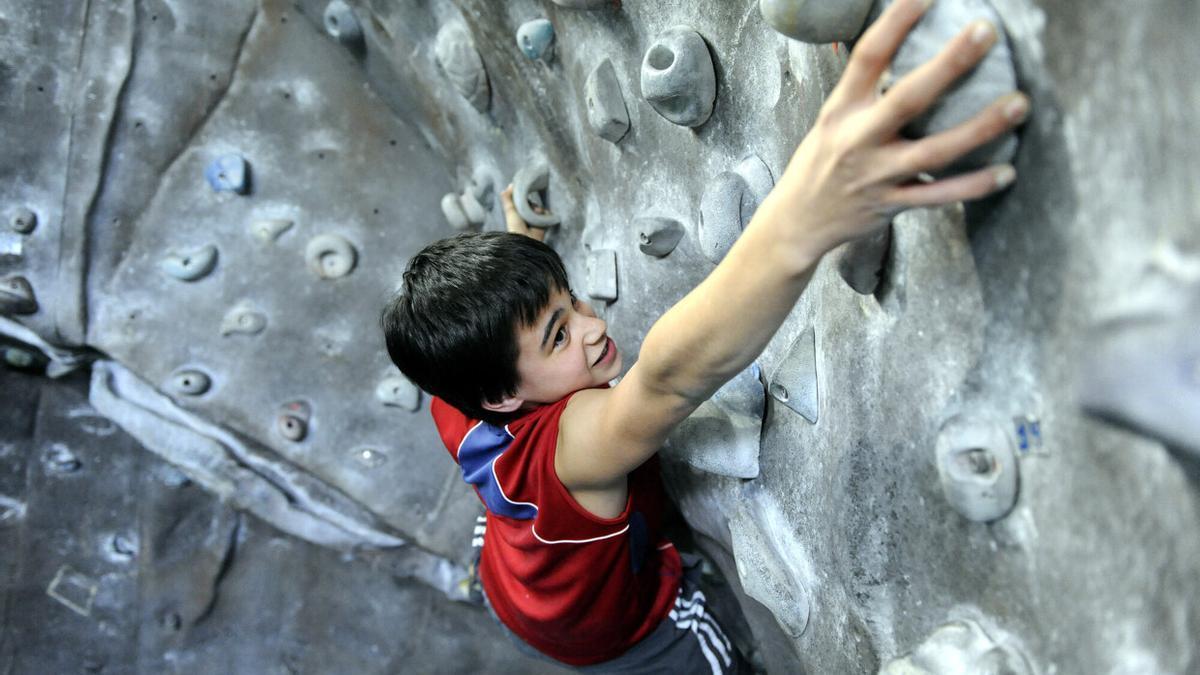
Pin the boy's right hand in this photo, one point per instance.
(854, 171)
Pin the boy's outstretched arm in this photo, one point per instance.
(849, 176)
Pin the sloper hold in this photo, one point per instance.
(342, 23)
(861, 262)
(771, 562)
(243, 319)
(22, 220)
(452, 210)
(602, 275)
(456, 54)
(475, 212)
(728, 203)
(606, 110)
(658, 236)
(229, 173)
(189, 382)
(722, 436)
(992, 78)
(977, 468)
(398, 392)
(817, 21)
(678, 79)
(1142, 372)
(960, 646)
(16, 296)
(536, 39)
(794, 383)
(528, 184)
(330, 256)
(267, 230)
(192, 265)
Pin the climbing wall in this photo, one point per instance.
(973, 445)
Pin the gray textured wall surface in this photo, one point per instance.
(832, 484)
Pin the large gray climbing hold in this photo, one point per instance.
(191, 265)
(658, 236)
(678, 79)
(456, 54)
(16, 296)
(722, 436)
(452, 210)
(992, 78)
(587, 4)
(771, 562)
(794, 382)
(977, 467)
(22, 220)
(728, 203)
(817, 21)
(861, 262)
(606, 110)
(960, 646)
(330, 256)
(529, 184)
(1142, 371)
(342, 23)
(536, 39)
(602, 275)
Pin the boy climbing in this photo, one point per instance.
(573, 559)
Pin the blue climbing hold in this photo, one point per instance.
(228, 173)
(536, 39)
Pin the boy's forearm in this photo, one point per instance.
(724, 323)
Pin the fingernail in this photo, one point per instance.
(983, 32)
(1016, 109)
(1004, 175)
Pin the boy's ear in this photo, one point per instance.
(505, 405)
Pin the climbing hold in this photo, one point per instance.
(960, 646)
(771, 562)
(189, 382)
(817, 21)
(536, 39)
(23, 220)
(370, 457)
(58, 458)
(728, 203)
(456, 54)
(330, 256)
(267, 230)
(342, 23)
(397, 391)
(16, 296)
(292, 421)
(17, 357)
(722, 435)
(992, 78)
(588, 4)
(121, 547)
(483, 186)
(528, 187)
(243, 319)
(1141, 370)
(862, 261)
(658, 236)
(977, 468)
(602, 275)
(193, 265)
(11, 511)
(606, 110)
(472, 209)
(229, 173)
(452, 209)
(794, 382)
(678, 79)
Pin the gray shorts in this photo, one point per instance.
(689, 640)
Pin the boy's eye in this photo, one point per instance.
(560, 337)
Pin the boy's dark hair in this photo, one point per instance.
(452, 327)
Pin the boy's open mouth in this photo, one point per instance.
(608, 344)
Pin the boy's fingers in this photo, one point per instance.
(919, 89)
(960, 188)
(878, 45)
(935, 152)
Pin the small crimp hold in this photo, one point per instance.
(267, 230)
(398, 392)
(606, 110)
(189, 382)
(191, 266)
(342, 23)
(330, 256)
(16, 296)
(536, 39)
(229, 173)
(794, 382)
(602, 275)
(292, 421)
(658, 236)
(23, 220)
(243, 319)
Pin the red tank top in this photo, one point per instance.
(579, 588)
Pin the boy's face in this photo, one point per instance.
(565, 350)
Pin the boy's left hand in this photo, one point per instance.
(513, 220)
